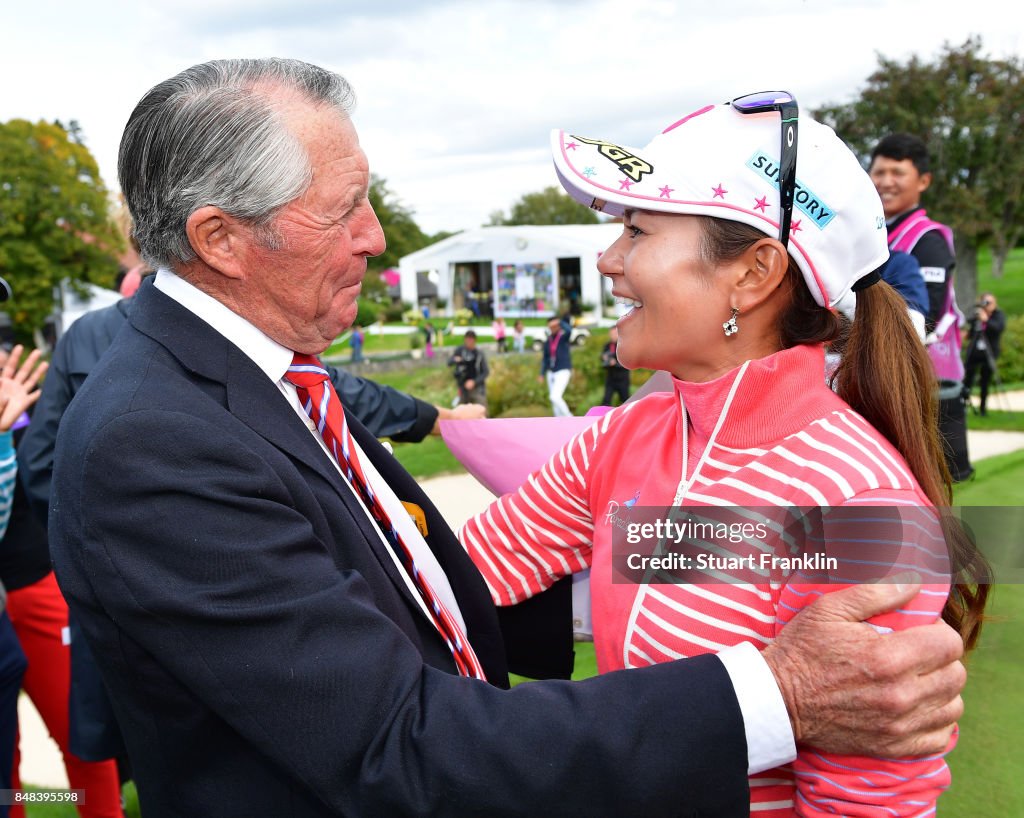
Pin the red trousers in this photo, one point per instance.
(40, 618)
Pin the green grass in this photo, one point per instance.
(986, 764)
(1009, 289)
(996, 419)
(998, 481)
(429, 458)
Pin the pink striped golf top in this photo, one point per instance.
(770, 433)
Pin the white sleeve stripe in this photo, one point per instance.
(839, 454)
(492, 571)
(841, 483)
(717, 601)
(716, 620)
(807, 488)
(870, 441)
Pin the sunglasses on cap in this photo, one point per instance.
(785, 104)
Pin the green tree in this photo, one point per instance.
(402, 233)
(969, 110)
(55, 221)
(400, 229)
(549, 206)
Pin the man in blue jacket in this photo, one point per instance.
(556, 363)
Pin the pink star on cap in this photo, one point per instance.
(666, 192)
(719, 192)
(571, 146)
(761, 204)
(795, 227)
(625, 184)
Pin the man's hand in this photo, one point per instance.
(18, 381)
(464, 411)
(469, 385)
(851, 690)
(467, 411)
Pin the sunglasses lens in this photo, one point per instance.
(762, 101)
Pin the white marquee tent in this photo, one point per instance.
(516, 271)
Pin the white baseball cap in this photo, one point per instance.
(723, 163)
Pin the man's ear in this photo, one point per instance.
(924, 182)
(763, 270)
(218, 239)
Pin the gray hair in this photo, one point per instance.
(213, 135)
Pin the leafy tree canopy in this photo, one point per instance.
(549, 206)
(401, 231)
(54, 218)
(969, 110)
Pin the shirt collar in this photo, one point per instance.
(779, 395)
(265, 352)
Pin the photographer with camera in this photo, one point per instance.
(984, 334)
(471, 370)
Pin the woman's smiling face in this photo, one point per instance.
(679, 300)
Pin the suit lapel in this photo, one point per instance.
(467, 584)
(256, 401)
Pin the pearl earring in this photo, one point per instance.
(730, 326)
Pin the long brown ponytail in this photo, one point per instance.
(886, 376)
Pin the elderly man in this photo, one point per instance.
(285, 623)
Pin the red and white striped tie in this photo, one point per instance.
(321, 402)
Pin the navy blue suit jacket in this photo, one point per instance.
(265, 658)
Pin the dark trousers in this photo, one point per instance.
(615, 382)
(978, 359)
(478, 394)
(12, 668)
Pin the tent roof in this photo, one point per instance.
(474, 243)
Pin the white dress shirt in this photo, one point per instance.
(274, 360)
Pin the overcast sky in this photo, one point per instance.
(456, 97)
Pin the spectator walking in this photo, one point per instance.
(556, 363)
(519, 336)
(616, 376)
(470, 371)
(428, 339)
(984, 338)
(500, 330)
(356, 341)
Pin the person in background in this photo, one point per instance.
(428, 338)
(518, 336)
(556, 363)
(902, 272)
(500, 331)
(25, 660)
(733, 287)
(285, 623)
(616, 376)
(356, 342)
(984, 343)
(900, 170)
(470, 370)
